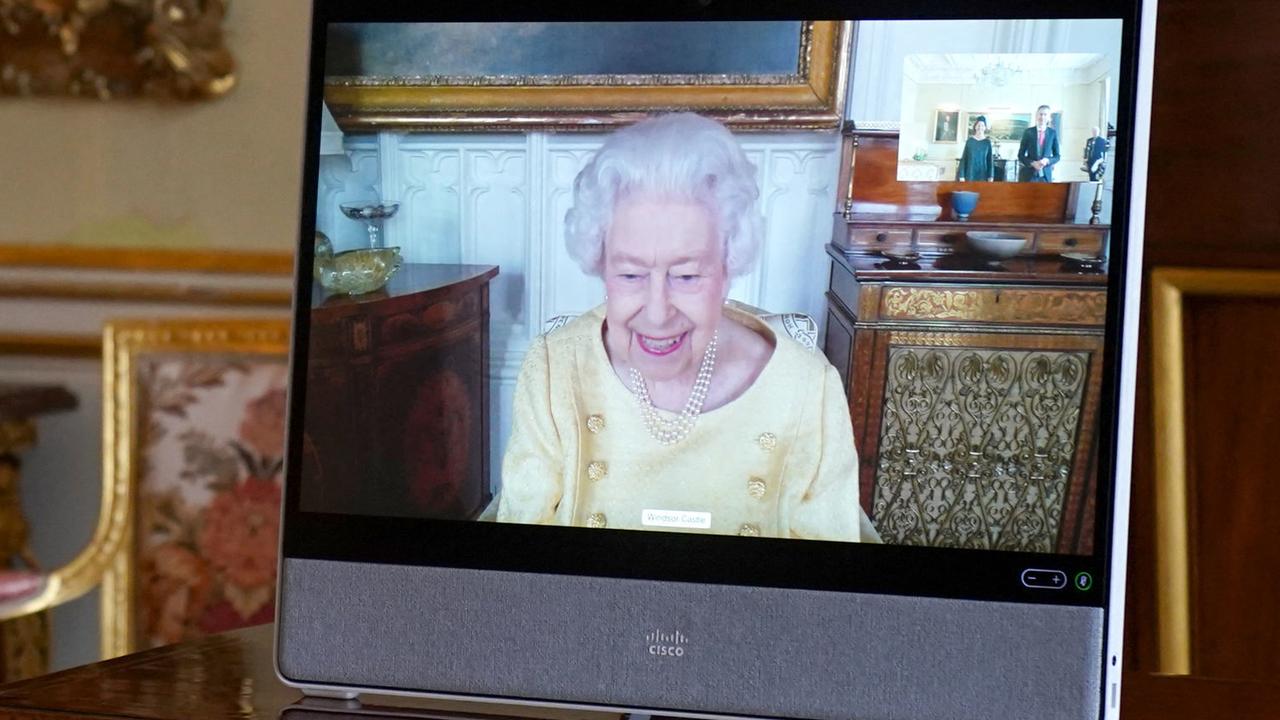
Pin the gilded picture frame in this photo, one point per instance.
(946, 126)
(112, 49)
(809, 97)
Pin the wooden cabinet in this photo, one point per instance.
(397, 397)
(974, 393)
(973, 386)
(872, 234)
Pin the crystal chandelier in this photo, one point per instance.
(997, 74)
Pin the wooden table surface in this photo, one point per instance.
(230, 677)
(223, 677)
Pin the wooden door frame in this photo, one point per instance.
(1170, 286)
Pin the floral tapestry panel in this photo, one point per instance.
(209, 486)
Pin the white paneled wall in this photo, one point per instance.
(500, 199)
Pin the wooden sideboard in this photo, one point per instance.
(397, 396)
(872, 233)
(974, 392)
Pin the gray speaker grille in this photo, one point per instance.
(749, 651)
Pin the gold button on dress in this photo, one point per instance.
(757, 487)
(597, 520)
(596, 470)
(749, 530)
(595, 423)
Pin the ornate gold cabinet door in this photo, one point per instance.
(974, 396)
(980, 440)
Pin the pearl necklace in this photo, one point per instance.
(670, 432)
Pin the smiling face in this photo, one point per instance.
(979, 129)
(665, 277)
(1042, 117)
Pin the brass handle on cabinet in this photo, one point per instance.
(881, 237)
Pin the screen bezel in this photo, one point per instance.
(762, 562)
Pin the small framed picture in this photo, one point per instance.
(946, 126)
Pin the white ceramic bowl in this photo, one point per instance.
(995, 244)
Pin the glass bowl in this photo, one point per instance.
(356, 272)
(380, 211)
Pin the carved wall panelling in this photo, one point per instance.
(800, 178)
(430, 196)
(496, 218)
(562, 287)
(350, 178)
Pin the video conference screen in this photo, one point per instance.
(733, 317)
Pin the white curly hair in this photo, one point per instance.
(680, 155)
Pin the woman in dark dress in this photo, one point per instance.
(977, 162)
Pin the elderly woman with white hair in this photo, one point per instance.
(666, 408)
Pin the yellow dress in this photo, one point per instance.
(777, 461)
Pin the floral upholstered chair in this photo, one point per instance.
(195, 422)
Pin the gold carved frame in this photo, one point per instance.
(812, 98)
(1172, 542)
(108, 49)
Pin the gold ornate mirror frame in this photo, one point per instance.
(109, 49)
(811, 98)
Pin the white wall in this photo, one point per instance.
(501, 200)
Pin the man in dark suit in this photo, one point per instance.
(1039, 150)
(1095, 153)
